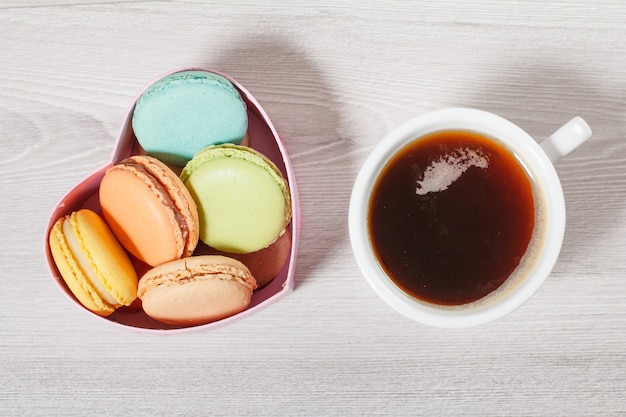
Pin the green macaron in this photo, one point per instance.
(184, 112)
(243, 200)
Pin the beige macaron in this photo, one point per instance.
(196, 290)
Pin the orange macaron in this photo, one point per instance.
(149, 210)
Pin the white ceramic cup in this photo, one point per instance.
(537, 158)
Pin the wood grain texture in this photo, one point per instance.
(335, 77)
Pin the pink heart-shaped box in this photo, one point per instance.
(264, 138)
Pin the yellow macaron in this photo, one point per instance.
(92, 263)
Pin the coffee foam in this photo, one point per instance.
(443, 172)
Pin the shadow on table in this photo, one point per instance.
(294, 93)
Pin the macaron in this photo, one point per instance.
(149, 210)
(196, 290)
(264, 264)
(243, 200)
(92, 263)
(184, 112)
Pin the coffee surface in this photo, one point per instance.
(451, 216)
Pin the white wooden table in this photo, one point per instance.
(335, 77)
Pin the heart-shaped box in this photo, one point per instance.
(264, 138)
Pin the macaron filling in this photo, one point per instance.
(191, 77)
(81, 255)
(199, 272)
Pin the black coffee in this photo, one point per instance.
(451, 216)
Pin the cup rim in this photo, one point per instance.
(537, 164)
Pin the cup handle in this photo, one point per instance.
(567, 138)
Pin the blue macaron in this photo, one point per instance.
(187, 111)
